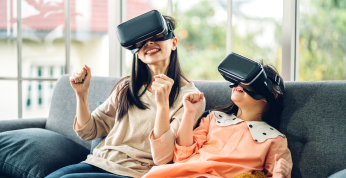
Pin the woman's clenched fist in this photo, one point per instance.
(80, 80)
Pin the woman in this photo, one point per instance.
(150, 100)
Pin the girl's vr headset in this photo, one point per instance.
(149, 26)
(255, 79)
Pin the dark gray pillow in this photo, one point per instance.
(35, 153)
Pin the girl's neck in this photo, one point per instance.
(249, 115)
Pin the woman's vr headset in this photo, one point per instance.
(133, 33)
(255, 79)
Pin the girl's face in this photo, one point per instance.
(245, 101)
(154, 52)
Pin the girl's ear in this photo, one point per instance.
(175, 43)
(276, 95)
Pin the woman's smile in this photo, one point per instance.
(152, 51)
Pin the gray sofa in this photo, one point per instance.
(313, 120)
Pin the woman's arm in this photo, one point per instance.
(192, 102)
(162, 87)
(80, 82)
(97, 124)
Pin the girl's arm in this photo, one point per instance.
(162, 148)
(192, 102)
(282, 168)
(182, 153)
(278, 153)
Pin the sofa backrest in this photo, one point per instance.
(63, 106)
(314, 119)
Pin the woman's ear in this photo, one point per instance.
(175, 43)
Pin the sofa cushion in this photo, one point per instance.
(35, 152)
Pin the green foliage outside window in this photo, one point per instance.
(202, 42)
(322, 43)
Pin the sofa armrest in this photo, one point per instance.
(15, 124)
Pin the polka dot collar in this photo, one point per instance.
(260, 130)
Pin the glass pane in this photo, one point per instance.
(201, 37)
(9, 99)
(8, 38)
(322, 37)
(36, 98)
(135, 8)
(43, 36)
(257, 30)
(89, 36)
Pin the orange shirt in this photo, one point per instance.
(225, 146)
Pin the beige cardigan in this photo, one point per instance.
(126, 149)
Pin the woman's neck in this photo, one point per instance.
(156, 70)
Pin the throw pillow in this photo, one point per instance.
(35, 152)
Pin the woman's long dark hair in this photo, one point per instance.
(128, 95)
(272, 115)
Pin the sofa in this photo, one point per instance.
(313, 120)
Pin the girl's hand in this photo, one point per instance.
(80, 80)
(281, 168)
(162, 87)
(192, 102)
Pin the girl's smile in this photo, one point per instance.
(238, 89)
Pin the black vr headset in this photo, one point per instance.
(149, 26)
(255, 79)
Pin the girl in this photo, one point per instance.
(229, 141)
(152, 95)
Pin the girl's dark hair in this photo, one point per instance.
(272, 115)
(128, 92)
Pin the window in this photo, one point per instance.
(8, 60)
(9, 99)
(256, 30)
(202, 37)
(8, 39)
(55, 37)
(89, 35)
(42, 53)
(322, 40)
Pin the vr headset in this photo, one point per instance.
(255, 79)
(133, 33)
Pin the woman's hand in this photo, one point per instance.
(282, 168)
(80, 80)
(192, 102)
(162, 87)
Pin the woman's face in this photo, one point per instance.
(154, 52)
(245, 101)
